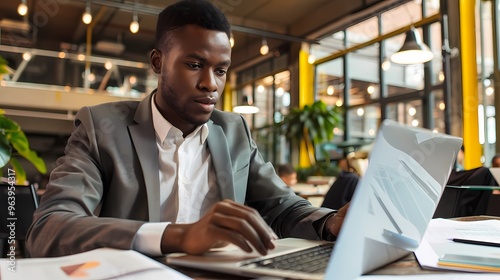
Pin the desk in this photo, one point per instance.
(314, 193)
(407, 265)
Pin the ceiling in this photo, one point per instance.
(56, 24)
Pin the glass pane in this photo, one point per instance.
(246, 91)
(264, 101)
(438, 112)
(406, 112)
(282, 106)
(363, 121)
(362, 32)
(431, 7)
(364, 73)
(401, 16)
(437, 76)
(329, 45)
(486, 48)
(66, 72)
(330, 82)
(402, 78)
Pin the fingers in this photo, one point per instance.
(226, 222)
(239, 230)
(250, 215)
(334, 223)
(246, 222)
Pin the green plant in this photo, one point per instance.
(312, 123)
(13, 139)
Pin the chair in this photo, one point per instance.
(20, 214)
(468, 193)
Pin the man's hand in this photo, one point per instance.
(226, 222)
(334, 223)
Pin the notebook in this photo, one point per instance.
(389, 212)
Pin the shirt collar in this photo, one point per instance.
(162, 126)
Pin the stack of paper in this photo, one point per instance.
(96, 264)
(461, 245)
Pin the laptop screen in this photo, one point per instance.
(395, 199)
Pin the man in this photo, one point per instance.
(495, 160)
(288, 174)
(171, 173)
(341, 191)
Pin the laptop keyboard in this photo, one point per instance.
(310, 260)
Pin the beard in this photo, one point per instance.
(177, 110)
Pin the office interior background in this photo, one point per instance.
(331, 50)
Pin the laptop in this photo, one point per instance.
(390, 210)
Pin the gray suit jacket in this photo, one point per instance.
(107, 184)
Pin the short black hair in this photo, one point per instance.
(285, 169)
(198, 12)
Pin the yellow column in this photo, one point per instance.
(227, 99)
(306, 97)
(472, 158)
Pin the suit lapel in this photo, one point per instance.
(221, 160)
(143, 136)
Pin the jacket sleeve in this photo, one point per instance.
(65, 222)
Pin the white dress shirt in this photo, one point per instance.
(187, 181)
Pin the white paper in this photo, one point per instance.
(437, 241)
(97, 264)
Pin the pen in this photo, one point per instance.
(476, 242)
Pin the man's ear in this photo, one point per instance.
(155, 60)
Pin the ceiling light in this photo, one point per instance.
(87, 16)
(330, 90)
(27, 56)
(280, 91)
(108, 65)
(386, 65)
(265, 48)
(231, 40)
(370, 89)
(246, 107)
(22, 9)
(134, 25)
(413, 51)
(360, 112)
(311, 58)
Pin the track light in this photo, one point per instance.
(22, 9)
(87, 16)
(413, 51)
(134, 25)
(264, 49)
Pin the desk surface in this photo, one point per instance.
(407, 265)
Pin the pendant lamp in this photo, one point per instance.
(413, 51)
(246, 107)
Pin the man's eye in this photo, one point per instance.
(194, 65)
(221, 72)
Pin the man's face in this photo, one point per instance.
(192, 75)
(496, 162)
(289, 179)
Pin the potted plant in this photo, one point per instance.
(314, 125)
(13, 140)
